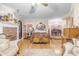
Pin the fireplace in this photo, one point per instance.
(56, 32)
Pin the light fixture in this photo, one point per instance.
(44, 4)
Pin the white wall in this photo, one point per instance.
(35, 22)
(4, 10)
(76, 14)
(57, 21)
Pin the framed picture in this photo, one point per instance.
(40, 27)
(56, 28)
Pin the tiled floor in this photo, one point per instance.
(25, 44)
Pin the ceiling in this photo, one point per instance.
(53, 10)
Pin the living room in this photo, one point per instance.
(39, 29)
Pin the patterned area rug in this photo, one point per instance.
(41, 52)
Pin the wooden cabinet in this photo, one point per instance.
(71, 32)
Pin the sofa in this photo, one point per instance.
(7, 47)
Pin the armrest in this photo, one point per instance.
(14, 43)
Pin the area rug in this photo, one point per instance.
(41, 52)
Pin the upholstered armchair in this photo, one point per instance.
(8, 48)
(71, 49)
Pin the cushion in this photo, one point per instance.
(36, 40)
(4, 44)
(45, 40)
(75, 51)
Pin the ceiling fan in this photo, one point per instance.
(45, 4)
(34, 7)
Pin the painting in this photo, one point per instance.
(41, 26)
